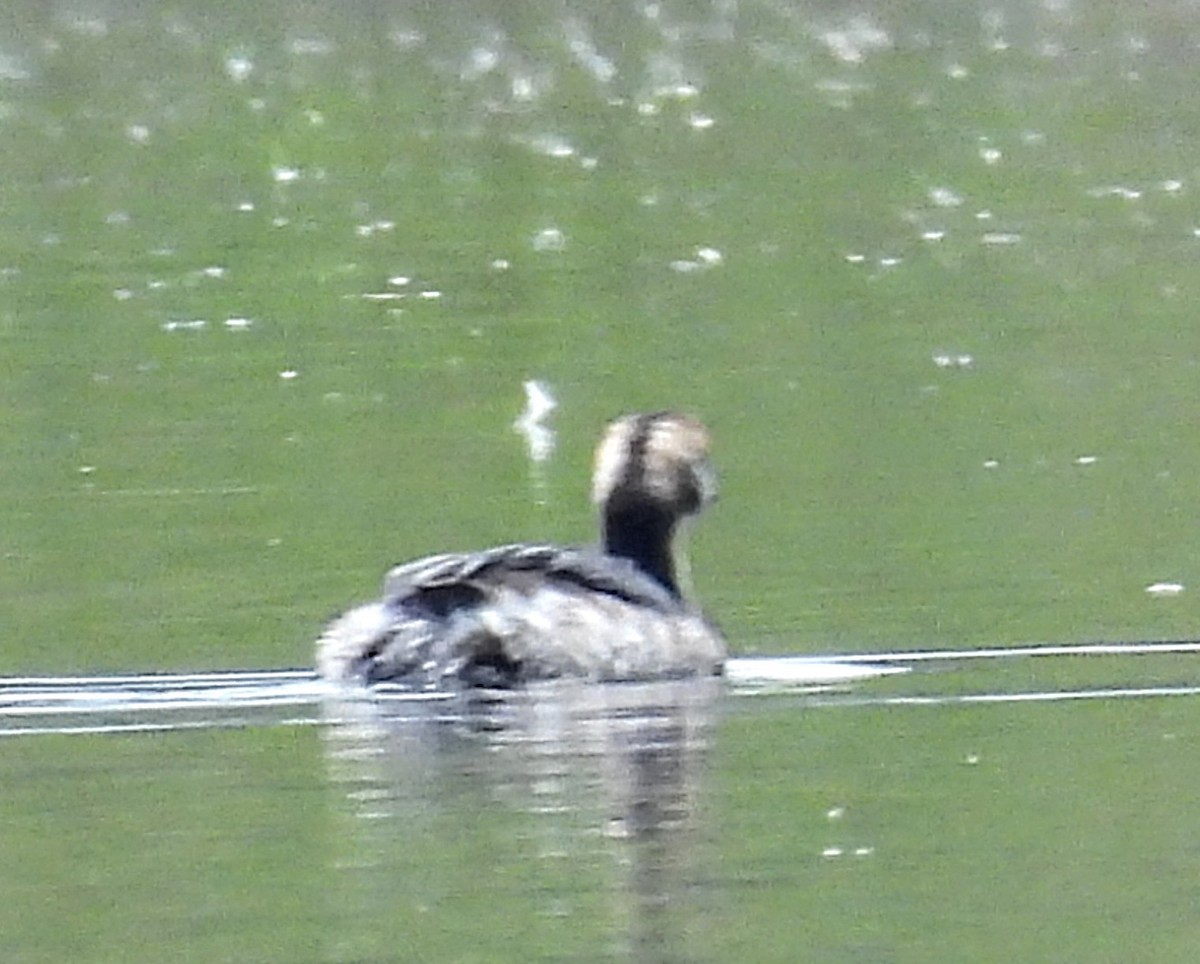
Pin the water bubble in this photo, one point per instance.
(853, 42)
(700, 122)
(549, 239)
(480, 61)
(374, 227)
(285, 175)
(595, 63)
(138, 133)
(553, 145)
(705, 257)
(523, 88)
(1116, 190)
(945, 197)
(238, 67)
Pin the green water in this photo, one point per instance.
(927, 269)
(825, 834)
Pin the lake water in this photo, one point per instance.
(271, 283)
(793, 812)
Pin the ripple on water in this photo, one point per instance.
(32, 705)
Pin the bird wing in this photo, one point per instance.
(525, 565)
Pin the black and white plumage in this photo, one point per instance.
(524, 612)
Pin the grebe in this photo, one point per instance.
(525, 612)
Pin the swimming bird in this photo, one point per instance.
(523, 612)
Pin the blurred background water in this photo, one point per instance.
(271, 281)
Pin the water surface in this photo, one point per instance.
(271, 282)
(272, 817)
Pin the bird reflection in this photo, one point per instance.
(566, 814)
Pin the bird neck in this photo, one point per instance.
(642, 532)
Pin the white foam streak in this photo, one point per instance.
(32, 705)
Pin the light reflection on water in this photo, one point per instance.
(599, 788)
(630, 822)
(111, 704)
